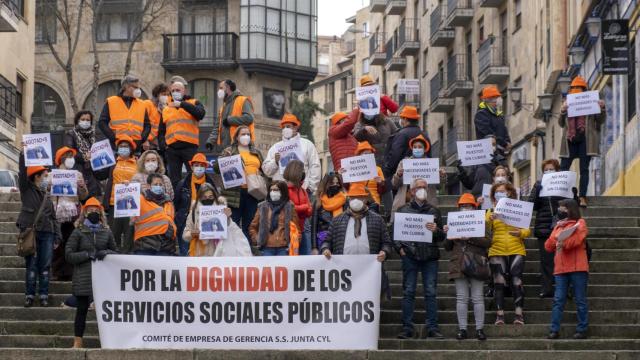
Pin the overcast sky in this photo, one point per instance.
(331, 15)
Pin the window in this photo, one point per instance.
(7, 101)
(20, 88)
(106, 89)
(40, 121)
(365, 29)
(16, 6)
(517, 14)
(203, 17)
(205, 90)
(517, 106)
(46, 22)
(119, 20)
(631, 78)
(425, 64)
(480, 31)
(365, 66)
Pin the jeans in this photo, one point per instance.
(410, 270)
(305, 240)
(579, 282)
(546, 268)
(244, 214)
(39, 265)
(122, 232)
(578, 151)
(463, 285)
(281, 251)
(175, 159)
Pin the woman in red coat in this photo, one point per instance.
(342, 144)
(294, 175)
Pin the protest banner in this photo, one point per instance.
(412, 227)
(475, 152)
(212, 222)
(368, 98)
(248, 303)
(127, 200)
(408, 87)
(583, 104)
(559, 184)
(37, 149)
(359, 168)
(102, 155)
(486, 197)
(466, 224)
(289, 150)
(232, 171)
(64, 182)
(427, 168)
(515, 212)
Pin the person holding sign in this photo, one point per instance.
(387, 105)
(155, 229)
(569, 243)
(331, 201)
(341, 141)
(471, 251)
(506, 255)
(150, 162)
(81, 138)
(501, 175)
(489, 119)
(581, 137)
(375, 186)
(475, 177)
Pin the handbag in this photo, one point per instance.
(474, 265)
(26, 245)
(257, 186)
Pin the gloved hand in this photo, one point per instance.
(101, 254)
(225, 122)
(209, 146)
(91, 255)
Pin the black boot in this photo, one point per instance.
(462, 334)
(28, 302)
(480, 335)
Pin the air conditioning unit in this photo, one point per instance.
(520, 156)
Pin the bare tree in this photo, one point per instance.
(96, 8)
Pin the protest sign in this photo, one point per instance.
(212, 222)
(127, 200)
(466, 224)
(427, 168)
(475, 152)
(368, 98)
(64, 182)
(559, 184)
(408, 87)
(412, 227)
(359, 168)
(289, 150)
(515, 212)
(248, 303)
(37, 149)
(486, 197)
(102, 155)
(583, 104)
(232, 171)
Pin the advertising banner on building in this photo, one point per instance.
(615, 47)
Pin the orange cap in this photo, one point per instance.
(337, 117)
(128, 139)
(32, 170)
(366, 80)
(92, 202)
(410, 112)
(62, 151)
(357, 189)
(420, 138)
(467, 199)
(289, 118)
(362, 146)
(579, 81)
(199, 158)
(490, 91)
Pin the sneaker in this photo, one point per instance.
(28, 302)
(462, 334)
(499, 319)
(580, 335)
(480, 335)
(405, 335)
(44, 302)
(436, 334)
(553, 335)
(519, 320)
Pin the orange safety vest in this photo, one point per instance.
(127, 121)
(154, 219)
(154, 119)
(238, 104)
(181, 126)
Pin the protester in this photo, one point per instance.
(398, 141)
(91, 240)
(342, 144)
(387, 105)
(81, 138)
(150, 162)
(506, 255)
(155, 229)
(374, 129)
(581, 137)
(475, 177)
(294, 176)
(568, 241)
(375, 186)
(420, 257)
(236, 110)
(331, 201)
(275, 226)
(468, 286)
(489, 119)
(159, 100)
(501, 175)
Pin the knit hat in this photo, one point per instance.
(289, 118)
(62, 152)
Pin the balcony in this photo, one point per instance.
(439, 100)
(393, 61)
(408, 38)
(200, 51)
(349, 48)
(493, 61)
(377, 52)
(10, 11)
(459, 82)
(460, 12)
(395, 7)
(377, 6)
(492, 3)
(440, 36)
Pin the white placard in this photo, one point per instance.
(232, 171)
(212, 222)
(412, 227)
(466, 224)
(289, 150)
(515, 212)
(559, 184)
(64, 182)
(426, 168)
(102, 155)
(583, 104)
(126, 200)
(476, 152)
(564, 234)
(37, 149)
(486, 197)
(408, 87)
(359, 168)
(242, 303)
(368, 98)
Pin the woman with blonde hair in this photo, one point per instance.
(150, 162)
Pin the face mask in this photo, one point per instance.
(244, 139)
(124, 151)
(84, 125)
(137, 93)
(163, 99)
(549, 171)
(369, 118)
(151, 166)
(287, 133)
(333, 190)
(176, 95)
(198, 171)
(356, 205)
(467, 208)
(500, 180)
(562, 215)
(421, 194)
(499, 195)
(93, 217)
(44, 183)
(418, 153)
(157, 189)
(499, 103)
(207, 202)
(69, 163)
(275, 195)
(221, 94)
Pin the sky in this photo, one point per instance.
(331, 15)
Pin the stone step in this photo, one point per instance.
(532, 290)
(10, 205)
(395, 277)
(617, 201)
(45, 341)
(509, 344)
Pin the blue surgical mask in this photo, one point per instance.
(44, 183)
(198, 171)
(157, 189)
(124, 151)
(417, 153)
(500, 194)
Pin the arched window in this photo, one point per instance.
(41, 121)
(205, 91)
(105, 90)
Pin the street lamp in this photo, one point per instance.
(577, 55)
(563, 83)
(593, 26)
(546, 101)
(50, 106)
(515, 94)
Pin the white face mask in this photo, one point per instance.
(221, 94)
(83, 124)
(69, 163)
(137, 93)
(500, 180)
(151, 166)
(198, 171)
(499, 103)
(244, 139)
(163, 99)
(356, 205)
(421, 194)
(549, 171)
(177, 96)
(275, 195)
(287, 133)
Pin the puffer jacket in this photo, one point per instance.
(398, 148)
(475, 245)
(31, 197)
(342, 143)
(573, 255)
(300, 199)
(489, 122)
(377, 234)
(545, 207)
(502, 243)
(422, 251)
(385, 128)
(474, 177)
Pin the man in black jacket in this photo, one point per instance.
(489, 120)
(421, 257)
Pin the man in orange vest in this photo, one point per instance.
(236, 110)
(179, 130)
(155, 229)
(126, 114)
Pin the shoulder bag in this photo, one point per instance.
(26, 244)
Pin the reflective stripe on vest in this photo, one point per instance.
(181, 126)
(128, 121)
(238, 104)
(154, 219)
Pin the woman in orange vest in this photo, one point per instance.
(155, 229)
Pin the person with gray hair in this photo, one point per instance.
(126, 114)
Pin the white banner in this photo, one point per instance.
(37, 149)
(466, 224)
(127, 200)
(213, 222)
(232, 171)
(408, 87)
(486, 197)
(64, 182)
(412, 227)
(270, 302)
(476, 152)
(558, 184)
(515, 212)
(102, 155)
(359, 168)
(368, 98)
(289, 150)
(427, 168)
(583, 104)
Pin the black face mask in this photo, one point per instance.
(562, 215)
(333, 190)
(207, 202)
(93, 217)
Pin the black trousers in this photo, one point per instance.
(62, 270)
(176, 157)
(546, 268)
(81, 315)
(578, 150)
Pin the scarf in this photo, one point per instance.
(85, 138)
(194, 189)
(334, 204)
(276, 207)
(357, 217)
(91, 226)
(576, 126)
(158, 199)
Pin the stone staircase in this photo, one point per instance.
(614, 302)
